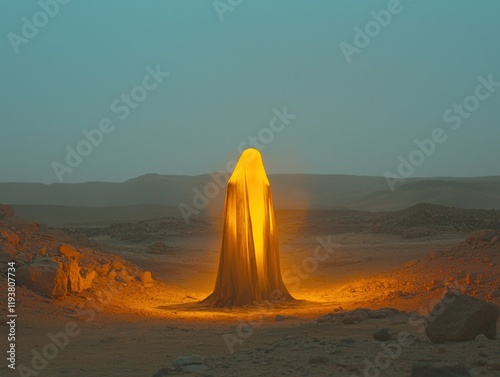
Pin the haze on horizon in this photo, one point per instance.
(229, 78)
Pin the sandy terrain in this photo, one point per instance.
(129, 329)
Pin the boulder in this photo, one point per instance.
(355, 316)
(103, 269)
(111, 275)
(382, 335)
(44, 276)
(325, 318)
(117, 265)
(86, 280)
(147, 279)
(457, 318)
(124, 277)
(69, 252)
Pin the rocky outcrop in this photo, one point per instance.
(79, 280)
(460, 318)
(147, 279)
(53, 278)
(69, 252)
(44, 276)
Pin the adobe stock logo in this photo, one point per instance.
(455, 117)
(201, 198)
(122, 106)
(224, 6)
(372, 29)
(31, 27)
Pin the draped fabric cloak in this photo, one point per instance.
(249, 269)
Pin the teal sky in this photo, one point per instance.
(226, 77)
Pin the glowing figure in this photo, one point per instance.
(249, 268)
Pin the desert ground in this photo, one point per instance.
(365, 283)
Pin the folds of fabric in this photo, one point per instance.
(249, 269)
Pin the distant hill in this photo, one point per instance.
(475, 193)
(291, 191)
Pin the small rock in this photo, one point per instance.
(112, 275)
(181, 361)
(411, 263)
(382, 335)
(355, 316)
(469, 278)
(124, 276)
(69, 252)
(117, 265)
(103, 269)
(200, 369)
(481, 338)
(326, 318)
(433, 284)
(147, 279)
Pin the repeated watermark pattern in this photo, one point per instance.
(454, 117)
(202, 197)
(31, 26)
(122, 107)
(292, 278)
(392, 350)
(372, 29)
(223, 6)
(41, 357)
